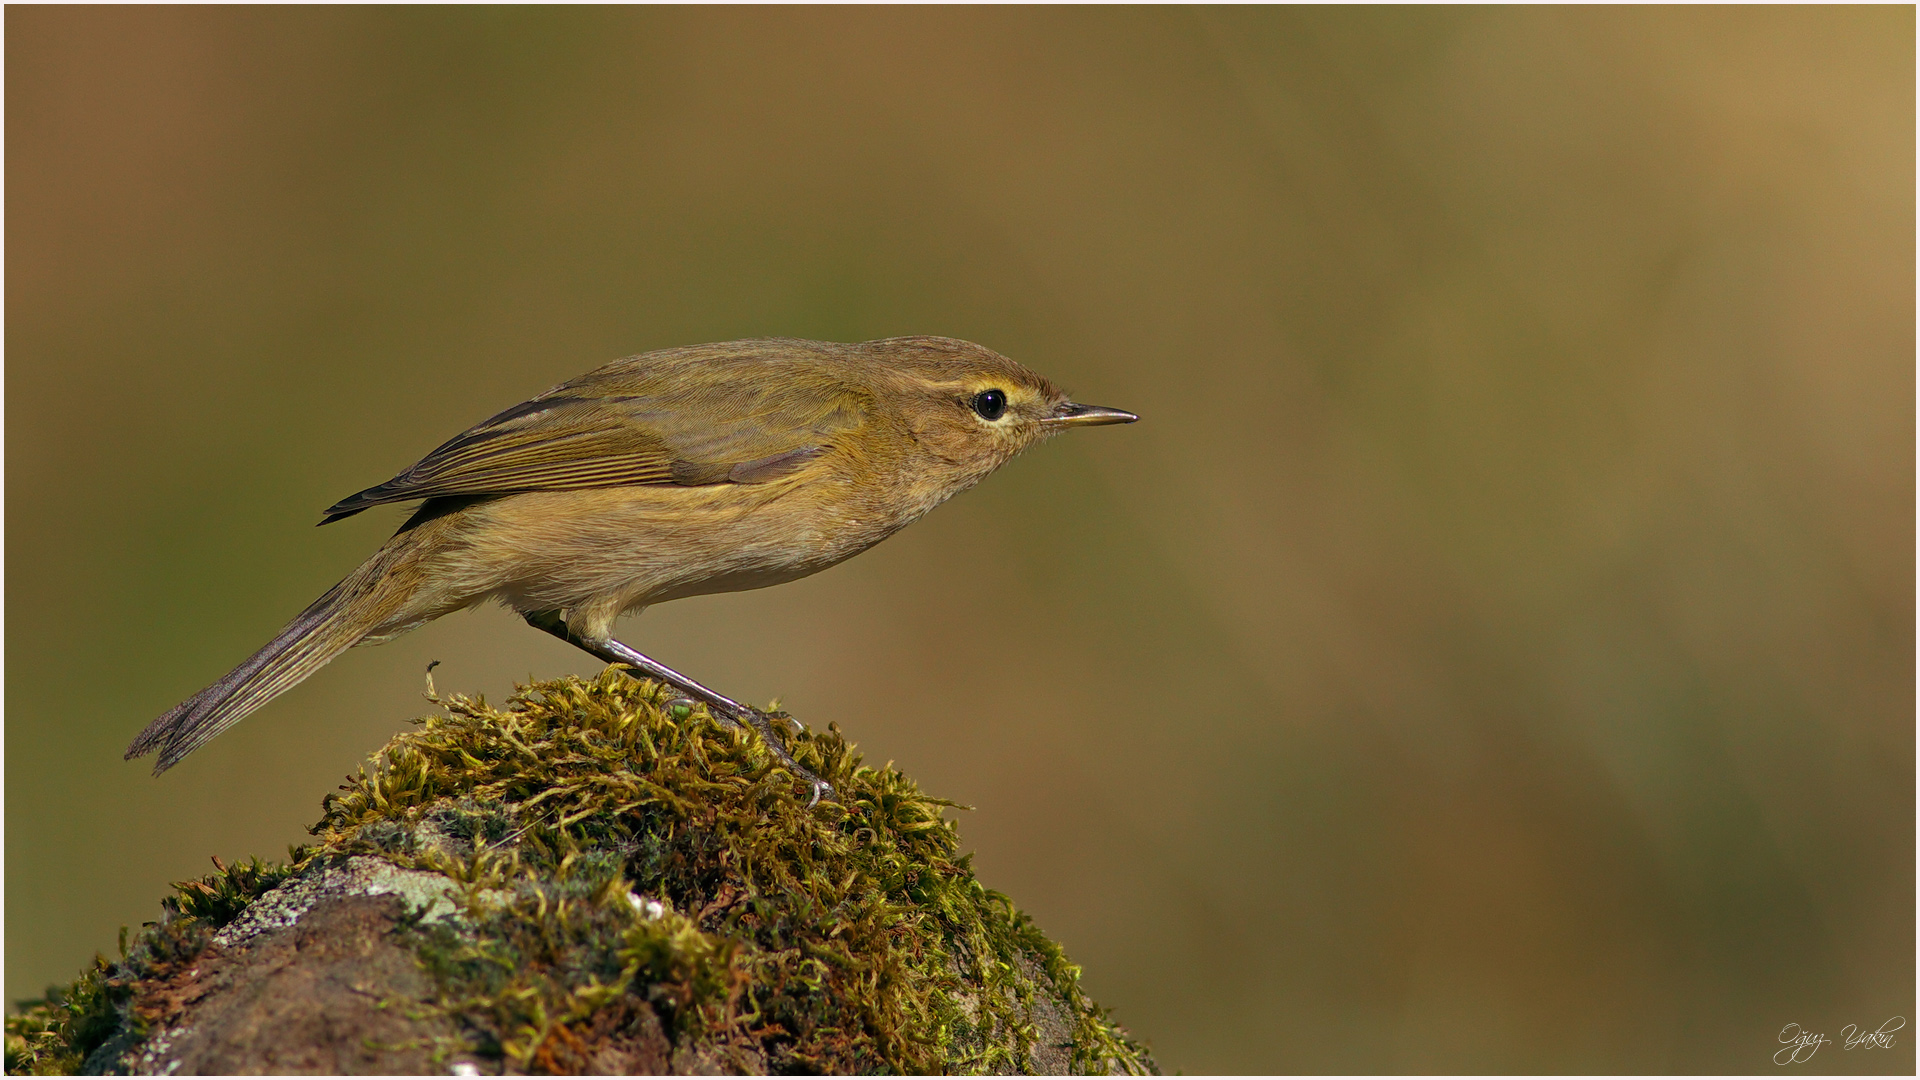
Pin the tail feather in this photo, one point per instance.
(331, 625)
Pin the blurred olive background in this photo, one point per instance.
(1494, 650)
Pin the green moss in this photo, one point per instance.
(219, 898)
(630, 872)
(53, 1035)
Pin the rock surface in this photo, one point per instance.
(318, 996)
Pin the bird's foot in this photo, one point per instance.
(770, 733)
(722, 707)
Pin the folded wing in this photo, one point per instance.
(576, 438)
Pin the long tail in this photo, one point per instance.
(349, 612)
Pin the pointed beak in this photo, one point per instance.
(1068, 414)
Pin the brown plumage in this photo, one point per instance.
(706, 469)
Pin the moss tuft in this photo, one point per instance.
(217, 899)
(630, 872)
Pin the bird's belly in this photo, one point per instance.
(623, 548)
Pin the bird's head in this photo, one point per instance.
(968, 408)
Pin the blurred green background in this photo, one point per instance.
(1493, 651)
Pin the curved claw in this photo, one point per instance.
(820, 787)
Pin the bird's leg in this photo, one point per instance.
(724, 708)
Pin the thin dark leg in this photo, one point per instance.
(724, 708)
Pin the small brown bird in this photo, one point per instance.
(707, 469)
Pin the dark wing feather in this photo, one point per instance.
(731, 433)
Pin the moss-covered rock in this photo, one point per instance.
(592, 879)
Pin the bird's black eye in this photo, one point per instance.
(990, 404)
